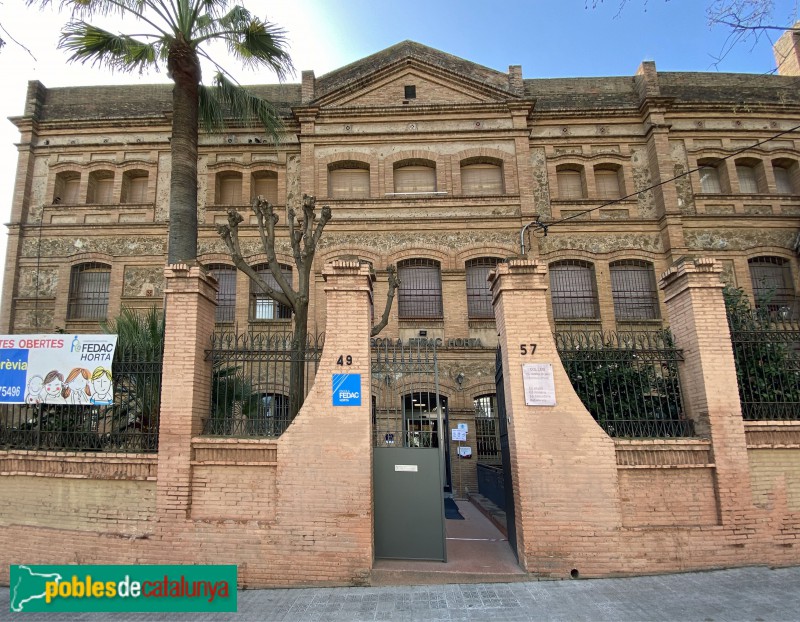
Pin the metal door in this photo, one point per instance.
(504, 452)
(408, 457)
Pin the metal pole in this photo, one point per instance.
(442, 441)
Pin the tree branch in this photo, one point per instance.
(230, 235)
(267, 216)
(394, 283)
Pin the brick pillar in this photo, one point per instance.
(564, 469)
(696, 311)
(190, 302)
(325, 456)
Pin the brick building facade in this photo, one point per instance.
(434, 164)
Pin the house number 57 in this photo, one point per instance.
(527, 348)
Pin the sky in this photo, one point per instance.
(549, 38)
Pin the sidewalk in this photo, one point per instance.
(719, 596)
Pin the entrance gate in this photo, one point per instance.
(505, 454)
(409, 439)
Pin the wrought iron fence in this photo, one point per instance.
(628, 381)
(129, 424)
(491, 484)
(259, 382)
(766, 349)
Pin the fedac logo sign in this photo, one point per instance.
(123, 588)
(347, 389)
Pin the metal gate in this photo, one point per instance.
(409, 439)
(504, 451)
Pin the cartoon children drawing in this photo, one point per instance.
(53, 387)
(34, 393)
(78, 389)
(103, 389)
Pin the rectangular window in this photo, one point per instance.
(226, 294)
(772, 283)
(410, 91)
(633, 287)
(230, 190)
(415, 179)
(70, 194)
(88, 292)
(137, 190)
(349, 183)
(264, 307)
(783, 180)
(479, 296)
(570, 185)
(607, 184)
(748, 183)
(477, 179)
(573, 291)
(487, 429)
(709, 180)
(420, 294)
(266, 187)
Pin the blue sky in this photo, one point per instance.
(549, 38)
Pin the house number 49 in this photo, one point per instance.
(344, 360)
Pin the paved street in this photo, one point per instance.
(755, 594)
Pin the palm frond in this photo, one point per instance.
(90, 44)
(254, 42)
(225, 98)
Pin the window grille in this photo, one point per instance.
(709, 180)
(783, 180)
(226, 294)
(748, 182)
(264, 307)
(420, 294)
(570, 185)
(772, 283)
(88, 292)
(415, 179)
(607, 184)
(633, 287)
(229, 189)
(479, 295)
(265, 185)
(487, 429)
(349, 183)
(573, 290)
(477, 179)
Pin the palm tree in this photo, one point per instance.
(176, 33)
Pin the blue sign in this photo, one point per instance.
(347, 389)
(13, 374)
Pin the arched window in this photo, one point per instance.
(487, 429)
(481, 178)
(573, 290)
(101, 188)
(67, 186)
(633, 287)
(348, 180)
(88, 291)
(263, 306)
(134, 187)
(570, 182)
(414, 178)
(226, 294)
(772, 284)
(479, 296)
(264, 184)
(420, 294)
(229, 188)
(607, 182)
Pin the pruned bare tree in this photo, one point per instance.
(305, 232)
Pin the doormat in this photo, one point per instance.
(451, 510)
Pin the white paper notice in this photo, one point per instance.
(540, 390)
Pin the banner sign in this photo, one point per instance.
(56, 369)
(123, 588)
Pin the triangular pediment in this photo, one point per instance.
(438, 78)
